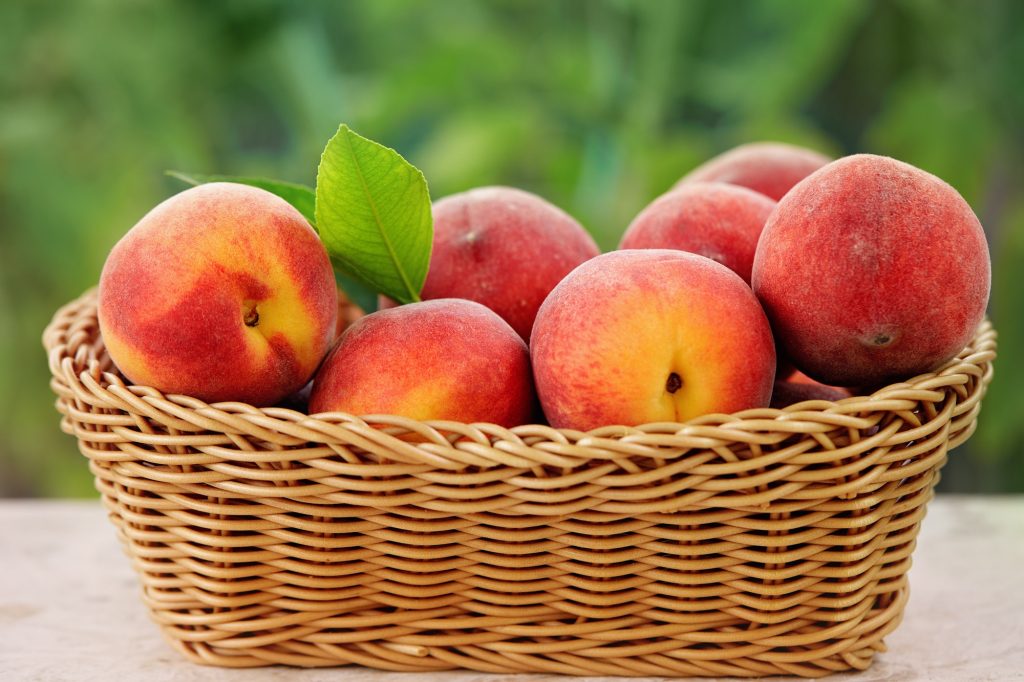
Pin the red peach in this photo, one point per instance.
(795, 376)
(771, 168)
(448, 359)
(222, 292)
(504, 248)
(872, 270)
(800, 388)
(713, 219)
(650, 335)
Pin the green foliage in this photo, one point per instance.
(373, 214)
(598, 106)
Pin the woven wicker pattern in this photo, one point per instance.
(753, 544)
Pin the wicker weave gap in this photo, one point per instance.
(149, 524)
(692, 549)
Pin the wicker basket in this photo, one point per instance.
(759, 543)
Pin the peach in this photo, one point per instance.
(799, 388)
(448, 359)
(650, 335)
(713, 219)
(504, 248)
(771, 168)
(793, 375)
(222, 292)
(872, 270)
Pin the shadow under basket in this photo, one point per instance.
(759, 543)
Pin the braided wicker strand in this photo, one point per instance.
(759, 543)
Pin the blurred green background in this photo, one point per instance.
(598, 106)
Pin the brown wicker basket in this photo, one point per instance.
(758, 543)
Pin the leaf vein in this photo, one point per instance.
(377, 221)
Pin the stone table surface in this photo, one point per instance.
(70, 607)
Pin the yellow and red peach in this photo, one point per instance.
(714, 219)
(872, 270)
(771, 168)
(448, 359)
(650, 335)
(223, 292)
(504, 248)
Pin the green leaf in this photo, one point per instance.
(373, 211)
(357, 292)
(299, 196)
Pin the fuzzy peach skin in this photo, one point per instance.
(446, 359)
(222, 292)
(713, 219)
(650, 335)
(872, 270)
(771, 168)
(504, 248)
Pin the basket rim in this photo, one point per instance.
(83, 374)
